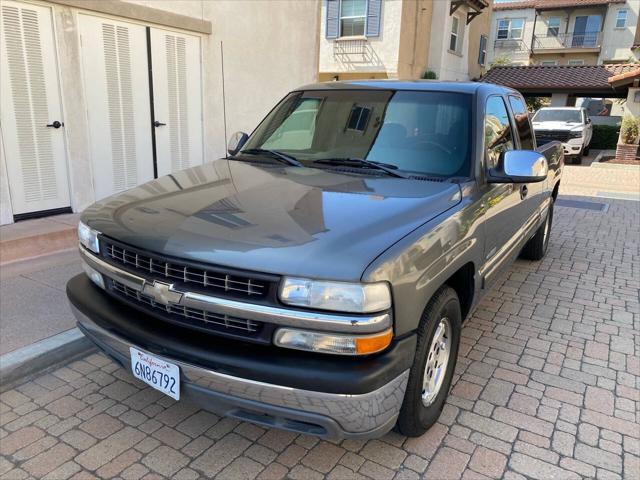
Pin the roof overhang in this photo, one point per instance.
(475, 7)
(610, 81)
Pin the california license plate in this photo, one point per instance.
(157, 373)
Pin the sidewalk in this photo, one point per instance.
(34, 304)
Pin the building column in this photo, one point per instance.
(559, 99)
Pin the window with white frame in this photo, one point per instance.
(482, 54)
(576, 61)
(510, 28)
(621, 18)
(353, 14)
(553, 26)
(454, 39)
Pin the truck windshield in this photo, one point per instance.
(558, 115)
(426, 133)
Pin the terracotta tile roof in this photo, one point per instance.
(544, 4)
(625, 78)
(567, 78)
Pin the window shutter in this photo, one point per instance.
(333, 19)
(374, 12)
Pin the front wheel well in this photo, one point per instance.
(462, 281)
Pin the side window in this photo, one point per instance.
(521, 115)
(497, 131)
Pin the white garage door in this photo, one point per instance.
(116, 81)
(177, 100)
(30, 112)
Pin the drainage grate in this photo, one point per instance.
(596, 206)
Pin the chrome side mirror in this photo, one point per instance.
(236, 142)
(519, 166)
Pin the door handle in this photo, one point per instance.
(56, 124)
(523, 192)
(158, 124)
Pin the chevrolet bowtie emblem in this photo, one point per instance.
(162, 293)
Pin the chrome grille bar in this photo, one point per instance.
(208, 318)
(214, 280)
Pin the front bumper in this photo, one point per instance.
(307, 393)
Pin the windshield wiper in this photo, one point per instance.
(389, 169)
(283, 157)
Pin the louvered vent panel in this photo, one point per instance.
(117, 60)
(26, 73)
(177, 99)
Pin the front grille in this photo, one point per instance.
(190, 316)
(211, 280)
(546, 136)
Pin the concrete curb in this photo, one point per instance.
(43, 355)
(598, 164)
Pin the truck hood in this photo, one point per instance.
(272, 218)
(558, 126)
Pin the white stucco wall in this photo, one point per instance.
(447, 64)
(617, 42)
(520, 56)
(382, 51)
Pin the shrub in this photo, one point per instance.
(430, 75)
(629, 130)
(605, 137)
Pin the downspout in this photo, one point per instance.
(533, 34)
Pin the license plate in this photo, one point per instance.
(157, 373)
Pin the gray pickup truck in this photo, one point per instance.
(317, 278)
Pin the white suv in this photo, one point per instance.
(569, 125)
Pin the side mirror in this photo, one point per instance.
(236, 142)
(519, 166)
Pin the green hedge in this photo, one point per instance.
(605, 137)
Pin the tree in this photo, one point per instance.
(500, 61)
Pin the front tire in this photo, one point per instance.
(433, 365)
(536, 248)
(585, 151)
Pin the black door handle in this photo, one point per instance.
(158, 124)
(523, 191)
(56, 124)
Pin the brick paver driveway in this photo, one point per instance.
(547, 387)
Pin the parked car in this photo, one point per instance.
(317, 278)
(569, 125)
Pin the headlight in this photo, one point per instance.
(575, 134)
(93, 274)
(88, 237)
(335, 343)
(336, 296)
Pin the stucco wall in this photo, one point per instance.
(479, 26)
(448, 65)
(563, 58)
(381, 52)
(515, 55)
(617, 42)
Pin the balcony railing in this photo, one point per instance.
(567, 40)
(510, 44)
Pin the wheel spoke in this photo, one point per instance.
(437, 361)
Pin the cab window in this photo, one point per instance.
(498, 137)
(523, 125)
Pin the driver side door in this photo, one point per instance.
(500, 201)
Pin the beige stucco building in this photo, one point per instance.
(564, 32)
(101, 95)
(362, 39)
